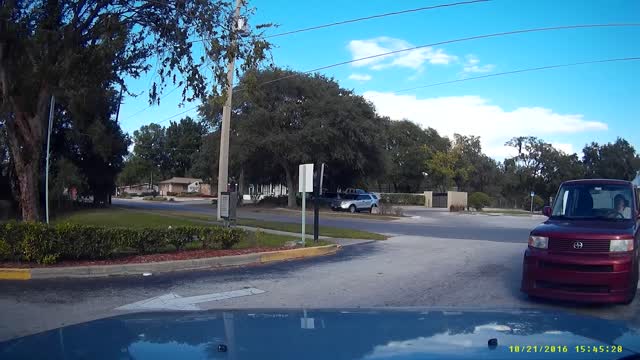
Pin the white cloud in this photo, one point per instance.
(360, 77)
(474, 115)
(472, 65)
(567, 148)
(413, 59)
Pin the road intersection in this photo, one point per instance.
(429, 270)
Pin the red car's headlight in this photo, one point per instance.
(540, 242)
(621, 245)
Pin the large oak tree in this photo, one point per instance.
(283, 118)
(64, 46)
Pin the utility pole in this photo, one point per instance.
(46, 177)
(223, 163)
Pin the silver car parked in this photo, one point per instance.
(355, 202)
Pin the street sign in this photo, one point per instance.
(224, 205)
(305, 178)
(305, 185)
(532, 195)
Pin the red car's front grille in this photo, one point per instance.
(576, 267)
(572, 287)
(557, 244)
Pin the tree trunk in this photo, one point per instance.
(25, 139)
(291, 187)
(240, 189)
(25, 132)
(241, 182)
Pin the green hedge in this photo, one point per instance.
(402, 199)
(47, 244)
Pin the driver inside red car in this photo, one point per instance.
(621, 206)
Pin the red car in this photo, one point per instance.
(587, 251)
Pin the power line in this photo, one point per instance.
(150, 106)
(548, 67)
(521, 71)
(375, 17)
(335, 24)
(505, 33)
(178, 114)
(513, 32)
(317, 27)
(162, 97)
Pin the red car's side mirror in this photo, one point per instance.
(546, 211)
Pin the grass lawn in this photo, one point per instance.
(289, 227)
(324, 230)
(137, 219)
(273, 240)
(324, 212)
(509, 212)
(124, 218)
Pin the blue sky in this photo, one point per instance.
(568, 107)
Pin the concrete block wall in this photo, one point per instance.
(456, 198)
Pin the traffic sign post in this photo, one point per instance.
(532, 195)
(305, 185)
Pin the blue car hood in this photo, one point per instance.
(330, 334)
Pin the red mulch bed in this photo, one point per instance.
(138, 259)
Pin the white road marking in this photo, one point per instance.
(173, 301)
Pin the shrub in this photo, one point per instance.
(155, 198)
(171, 193)
(387, 209)
(402, 199)
(5, 250)
(47, 244)
(149, 193)
(274, 201)
(479, 200)
(456, 208)
(189, 194)
(538, 203)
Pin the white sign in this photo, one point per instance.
(224, 205)
(305, 178)
(533, 194)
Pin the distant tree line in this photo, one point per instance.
(304, 118)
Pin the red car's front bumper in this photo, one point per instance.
(602, 278)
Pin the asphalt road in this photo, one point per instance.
(401, 271)
(421, 221)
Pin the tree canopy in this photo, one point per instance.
(72, 48)
(302, 118)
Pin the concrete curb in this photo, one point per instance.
(165, 266)
(15, 274)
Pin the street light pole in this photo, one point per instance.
(46, 176)
(223, 163)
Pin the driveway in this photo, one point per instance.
(420, 221)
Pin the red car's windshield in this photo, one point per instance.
(594, 201)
